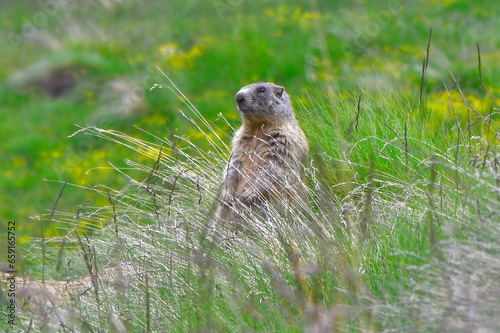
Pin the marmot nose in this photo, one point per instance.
(240, 97)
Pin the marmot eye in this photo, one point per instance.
(262, 89)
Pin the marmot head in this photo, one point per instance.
(263, 103)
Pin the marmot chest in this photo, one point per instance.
(253, 150)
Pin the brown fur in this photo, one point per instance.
(268, 151)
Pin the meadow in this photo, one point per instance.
(399, 232)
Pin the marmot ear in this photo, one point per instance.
(278, 91)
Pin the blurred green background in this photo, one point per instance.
(92, 63)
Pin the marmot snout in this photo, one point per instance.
(268, 151)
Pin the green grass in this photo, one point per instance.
(390, 239)
(210, 51)
(399, 231)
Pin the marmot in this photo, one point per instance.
(268, 151)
